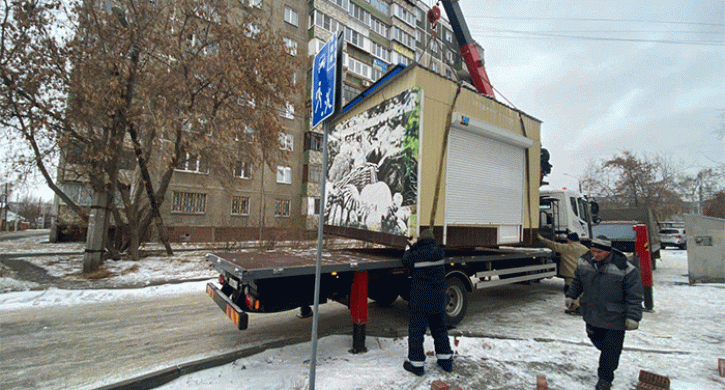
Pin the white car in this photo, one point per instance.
(673, 237)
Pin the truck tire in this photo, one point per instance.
(457, 301)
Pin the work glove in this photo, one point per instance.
(630, 324)
(569, 303)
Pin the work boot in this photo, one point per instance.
(415, 370)
(446, 364)
(603, 385)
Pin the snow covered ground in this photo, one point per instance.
(682, 339)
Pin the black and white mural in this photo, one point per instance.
(372, 173)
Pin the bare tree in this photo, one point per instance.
(630, 180)
(164, 82)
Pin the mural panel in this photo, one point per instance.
(372, 173)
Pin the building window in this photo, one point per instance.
(340, 3)
(349, 92)
(356, 39)
(380, 27)
(188, 202)
(404, 14)
(243, 170)
(360, 14)
(382, 6)
(313, 141)
(286, 142)
(290, 46)
(191, 163)
(403, 37)
(284, 175)
(381, 52)
(358, 67)
(282, 208)
(240, 205)
(449, 36)
(326, 22)
(291, 16)
(314, 173)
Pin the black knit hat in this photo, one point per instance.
(602, 243)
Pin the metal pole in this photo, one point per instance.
(318, 266)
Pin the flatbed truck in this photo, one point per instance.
(272, 281)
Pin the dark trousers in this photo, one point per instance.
(610, 343)
(416, 333)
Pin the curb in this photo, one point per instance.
(166, 375)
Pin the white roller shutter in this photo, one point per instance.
(485, 178)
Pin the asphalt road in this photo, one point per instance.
(88, 346)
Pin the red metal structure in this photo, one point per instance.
(641, 245)
(471, 56)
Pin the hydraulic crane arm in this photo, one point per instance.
(470, 53)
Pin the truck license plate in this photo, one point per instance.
(233, 282)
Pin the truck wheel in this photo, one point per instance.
(457, 301)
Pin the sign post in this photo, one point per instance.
(325, 102)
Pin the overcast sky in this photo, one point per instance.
(607, 76)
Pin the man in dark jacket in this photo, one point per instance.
(611, 304)
(424, 258)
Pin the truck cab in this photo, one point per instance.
(563, 211)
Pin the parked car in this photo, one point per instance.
(673, 237)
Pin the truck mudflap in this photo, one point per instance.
(238, 317)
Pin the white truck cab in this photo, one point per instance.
(563, 211)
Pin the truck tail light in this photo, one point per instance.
(221, 279)
(678, 236)
(251, 302)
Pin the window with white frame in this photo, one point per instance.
(191, 163)
(282, 208)
(291, 16)
(358, 67)
(284, 175)
(356, 38)
(240, 205)
(326, 22)
(402, 37)
(188, 202)
(449, 36)
(242, 169)
(286, 142)
(340, 3)
(377, 73)
(360, 13)
(403, 14)
(380, 52)
(290, 46)
(449, 56)
(380, 27)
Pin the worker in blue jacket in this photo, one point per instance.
(424, 259)
(611, 304)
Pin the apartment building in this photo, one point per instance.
(263, 203)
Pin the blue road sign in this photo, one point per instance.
(323, 82)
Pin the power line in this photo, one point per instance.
(541, 35)
(595, 20)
